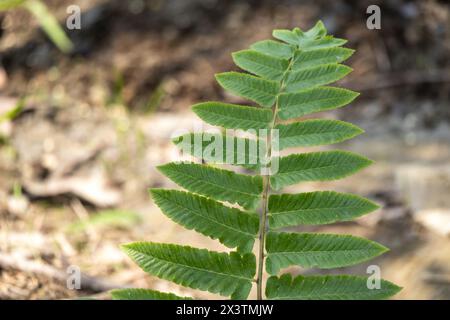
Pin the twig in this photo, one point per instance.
(8, 261)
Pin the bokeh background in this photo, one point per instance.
(81, 133)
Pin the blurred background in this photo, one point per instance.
(82, 130)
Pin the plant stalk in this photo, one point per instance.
(266, 192)
(262, 236)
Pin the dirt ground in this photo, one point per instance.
(78, 159)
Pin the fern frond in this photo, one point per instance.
(289, 36)
(317, 166)
(315, 32)
(315, 132)
(273, 48)
(287, 79)
(232, 116)
(308, 59)
(261, 91)
(232, 227)
(341, 287)
(218, 184)
(316, 250)
(261, 64)
(221, 273)
(293, 105)
(221, 149)
(312, 39)
(315, 76)
(313, 208)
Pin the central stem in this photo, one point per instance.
(262, 230)
(266, 191)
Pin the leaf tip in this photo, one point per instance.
(162, 167)
(115, 294)
(393, 289)
(221, 76)
(126, 247)
(197, 108)
(155, 192)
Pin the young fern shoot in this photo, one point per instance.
(287, 78)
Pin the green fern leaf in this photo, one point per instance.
(216, 272)
(313, 39)
(308, 59)
(305, 102)
(260, 64)
(144, 294)
(287, 36)
(219, 184)
(263, 92)
(316, 250)
(232, 227)
(273, 48)
(315, 132)
(315, 76)
(287, 80)
(232, 116)
(312, 208)
(323, 43)
(318, 30)
(219, 149)
(341, 287)
(317, 166)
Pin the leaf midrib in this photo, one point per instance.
(292, 136)
(306, 100)
(313, 168)
(315, 209)
(320, 251)
(315, 75)
(360, 293)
